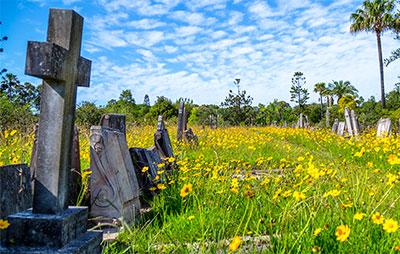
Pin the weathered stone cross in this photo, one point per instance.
(59, 64)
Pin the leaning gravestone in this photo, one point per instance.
(349, 125)
(15, 191)
(114, 121)
(355, 124)
(306, 124)
(335, 126)
(341, 128)
(114, 190)
(384, 127)
(52, 227)
(162, 141)
(327, 117)
(75, 181)
(180, 129)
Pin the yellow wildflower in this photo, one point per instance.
(4, 224)
(317, 231)
(377, 218)
(359, 216)
(390, 226)
(186, 189)
(236, 241)
(145, 169)
(161, 186)
(191, 217)
(299, 195)
(342, 233)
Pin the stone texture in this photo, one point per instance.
(190, 137)
(75, 181)
(335, 126)
(349, 125)
(327, 117)
(114, 121)
(114, 188)
(341, 128)
(64, 232)
(57, 61)
(162, 141)
(384, 127)
(15, 189)
(179, 131)
(355, 124)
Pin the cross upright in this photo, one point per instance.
(59, 64)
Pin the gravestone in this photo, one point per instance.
(384, 127)
(341, 128)
(180, 128)
(355, 124)
(190, 137)
(349, 125)
(328, 113)
(335, 126)
(275, 124)
(185, 119)
(114, 189)
(114, 121)
(147, 158)
(285, 125)
(15, 191)
(212, 122)
(52, 227)
(75, 181)
(306, 124)
(162, 140)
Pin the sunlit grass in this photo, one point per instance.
(282, 190)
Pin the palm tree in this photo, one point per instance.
(340, 88)
(375, 17)
(320, 88)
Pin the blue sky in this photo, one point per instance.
(196, 48)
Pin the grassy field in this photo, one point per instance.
(266, 190)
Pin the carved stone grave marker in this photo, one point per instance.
(114, 190)
(162, 140)
(114, 121)
(349, 125)
(335, 126)
(355, 124)
(384, 127)
(341, 128)
(180, 128)
(51, 227)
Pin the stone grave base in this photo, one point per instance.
(51, 233)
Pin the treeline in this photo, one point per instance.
(19, 107)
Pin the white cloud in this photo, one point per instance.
(145, 24)
(187, 30)
(261, 9)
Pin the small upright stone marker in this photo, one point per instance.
(349, 126)
(335, 126)
(162, 141)
(341, 128)
(354, 121)
(51, 227)
(384, 127)
(179, 132)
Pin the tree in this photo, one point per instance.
(340, 89)
(298, 94)
(87, 114)
(320, 88)
(375, 17)
(146, 100)
(163, 107)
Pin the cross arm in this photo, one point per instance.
(47, 60)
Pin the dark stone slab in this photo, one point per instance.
(46, 230)
(179, 131)
(190, 137)
(162, 141)
(114, 121)
(15, 189)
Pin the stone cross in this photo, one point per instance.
(354, 122)
(349, 126)
(59, 64)
(179, 131)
